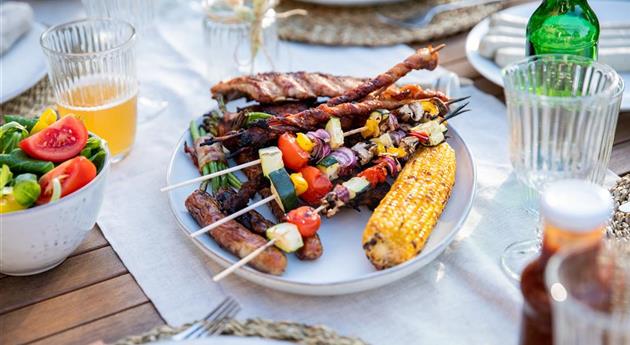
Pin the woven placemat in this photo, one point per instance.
(360, 25)
(287, 331)
(620, 225)
(31, 102)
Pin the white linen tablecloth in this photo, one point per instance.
(462, 297)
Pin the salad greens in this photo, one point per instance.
(19, 193)
(26, 189)
(10, 136)
(19, 162)
(26, 122)
(94, 151)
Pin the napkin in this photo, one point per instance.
(16, 19)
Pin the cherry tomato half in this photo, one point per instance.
(306, 219)
(293, 156)
(72, 174)
(318, 185)
(58, 142)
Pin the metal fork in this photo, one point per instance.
(213, 323)
(423, 19)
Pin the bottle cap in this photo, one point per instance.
(576, 205)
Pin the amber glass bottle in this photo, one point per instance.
(573, 212)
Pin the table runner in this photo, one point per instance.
(461, 297)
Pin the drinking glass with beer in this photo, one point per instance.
(92, 69)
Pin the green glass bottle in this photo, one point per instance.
(563, 27)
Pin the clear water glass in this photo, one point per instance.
(141, 14)
(562, 112)
(92, 70)
(590, 295)
(228, 47)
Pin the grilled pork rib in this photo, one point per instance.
(274, 87)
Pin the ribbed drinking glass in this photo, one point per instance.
(562, 112)
(141, 15)
(92, 69)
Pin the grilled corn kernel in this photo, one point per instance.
(401, 224)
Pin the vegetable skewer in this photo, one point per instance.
(385, 164)
(210, 175)
(373, 175)
(413, 114)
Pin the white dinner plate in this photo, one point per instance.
(23, 65)
(343, 268)
(607, 11)
(350, 2)
(226, 341)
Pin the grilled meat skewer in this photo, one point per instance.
(423, 58)
(274, 87)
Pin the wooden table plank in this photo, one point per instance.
(93, 240)
(622, 133)
(70, 310)
(620, 159)
(75, 273)
(132, 321)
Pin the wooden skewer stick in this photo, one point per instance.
(232, 216)
(243, 261)
(210, 176)
(250, 256)
(236, 168)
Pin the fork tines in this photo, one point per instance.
(213, 323)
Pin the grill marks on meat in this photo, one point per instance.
(423, 58)
(310, 119)
(233, 236)
(273, 87)
(229, 202)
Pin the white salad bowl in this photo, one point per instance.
(40, 238)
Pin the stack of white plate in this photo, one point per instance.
(500, 40)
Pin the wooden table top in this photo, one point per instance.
(92, 296)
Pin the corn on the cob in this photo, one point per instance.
(401, 224)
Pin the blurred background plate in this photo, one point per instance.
(607, 12)
(23, 65)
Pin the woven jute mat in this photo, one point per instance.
(31, 102)
(360, 25)
(287, 331)
(620, 224)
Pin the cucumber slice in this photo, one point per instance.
(329, 166)
(356, 185)
(270, 159)
(333, 127)
(287, 236)
(283, 189)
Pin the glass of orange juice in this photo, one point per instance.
(92, 69)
